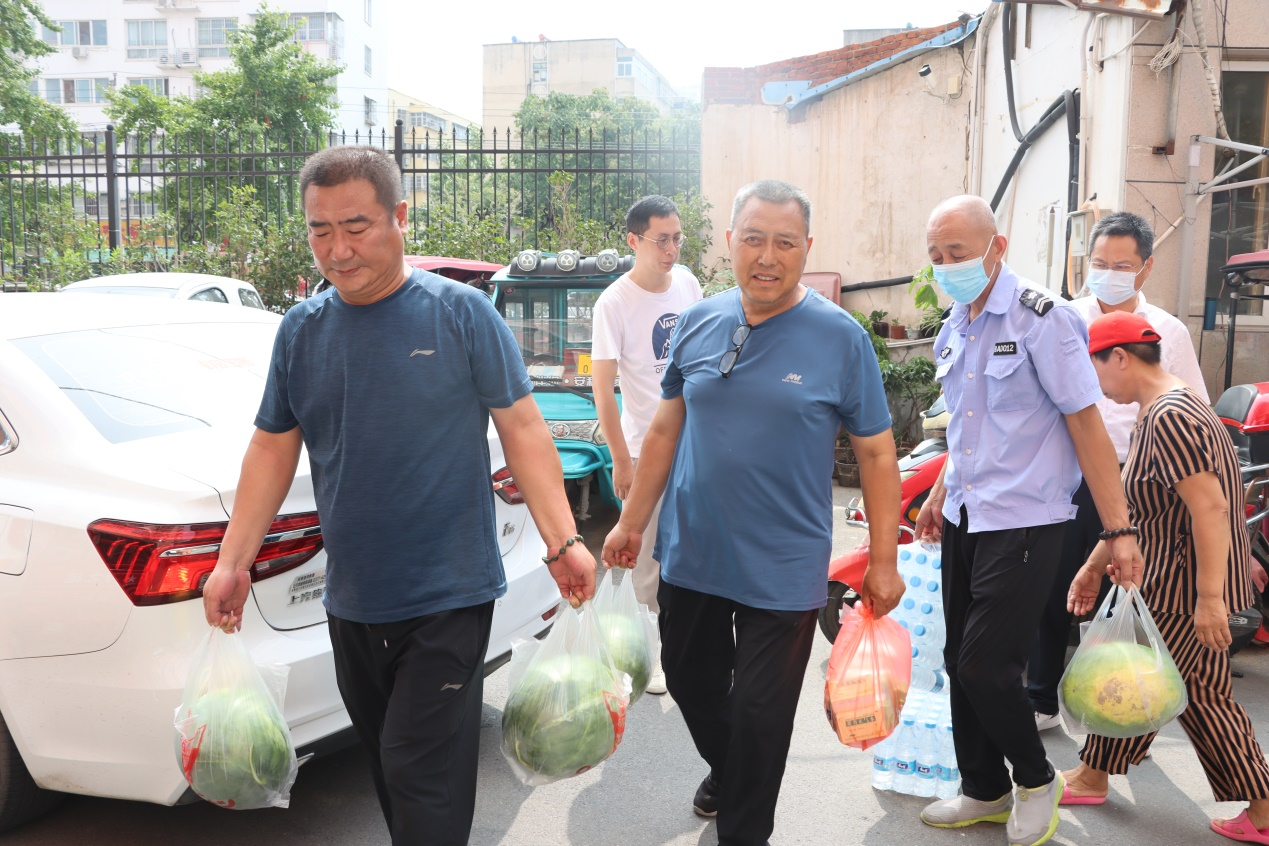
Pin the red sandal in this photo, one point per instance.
(1240, 828)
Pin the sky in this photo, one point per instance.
(435, 48)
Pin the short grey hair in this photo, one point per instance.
(772, 191)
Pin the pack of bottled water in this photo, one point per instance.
(919, 759)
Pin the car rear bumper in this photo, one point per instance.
(100, 723)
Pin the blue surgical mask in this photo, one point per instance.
(1113, 286)
(963, 281)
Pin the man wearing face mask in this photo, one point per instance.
(1021, 394)
(1120, 260)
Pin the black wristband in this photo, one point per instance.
(556, 557)
(1115, 533)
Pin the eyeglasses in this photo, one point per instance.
(1121, 268)
(663, 243)
(730, 357)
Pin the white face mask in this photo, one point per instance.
(1113, 286)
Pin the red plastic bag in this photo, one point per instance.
(869, 672)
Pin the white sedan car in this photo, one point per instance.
(123, 422)
(203, 287)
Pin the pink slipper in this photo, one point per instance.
(1240, 828)
(1070, 799)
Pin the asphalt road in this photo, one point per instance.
(642, 795)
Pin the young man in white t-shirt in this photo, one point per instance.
(634, 319)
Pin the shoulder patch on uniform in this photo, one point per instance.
(1037, 301)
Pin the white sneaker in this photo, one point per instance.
(656, 682)
(1044, 722)
(1035, 813)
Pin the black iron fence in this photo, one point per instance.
(104, 193)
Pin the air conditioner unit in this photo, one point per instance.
(163, 4)
(189, 58)
(166, 60)
(79, 51)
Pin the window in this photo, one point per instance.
(210, 295)
(368, 62)
(141, 206)
(147, 39)
(1240, 218)
(213, 36)
(403, 116)
(77, 33)
(539, 71)
(72, 91)
(427, 120)
(416, 182)
(625, 66)
(370, 112)
(366, 10)
(90, 205)
(311, 27)
(157, 84)
(461, 133)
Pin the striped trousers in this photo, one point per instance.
(1218, 726)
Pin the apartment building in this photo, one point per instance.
(515, 70)
(108, 44)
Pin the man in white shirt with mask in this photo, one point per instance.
(1120, 261)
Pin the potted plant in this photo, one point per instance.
(880, 326)
(898, 331)
(927, 300)
(846, 466)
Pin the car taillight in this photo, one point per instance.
(505, 487)
(158, 564)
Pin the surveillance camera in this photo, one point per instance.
(924, 70)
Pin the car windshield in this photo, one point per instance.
(147, 381)
(553, 326)
(134, 290)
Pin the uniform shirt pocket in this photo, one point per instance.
(1011, 384)
(951, 391)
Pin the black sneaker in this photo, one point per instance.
(705, 802)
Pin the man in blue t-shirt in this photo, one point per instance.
(390, 380)
(759, 382)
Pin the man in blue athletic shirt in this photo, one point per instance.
(389, 380)
(759, 382)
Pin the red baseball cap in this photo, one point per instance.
(1118, 328)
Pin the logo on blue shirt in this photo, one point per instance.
(662, 330)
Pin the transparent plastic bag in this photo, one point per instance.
(566, 711)
(629, 630)
(1122, 681)
(232, 743)
(869, 672)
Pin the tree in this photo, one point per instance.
(18, 45)
(274, 86)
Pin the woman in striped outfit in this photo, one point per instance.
(1183, 487)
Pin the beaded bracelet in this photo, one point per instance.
(1115, 533)
(556, 557)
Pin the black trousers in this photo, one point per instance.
(736, 674)
(1048, 653)
(994, 587)
(414, 690)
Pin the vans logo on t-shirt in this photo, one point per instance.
(662, 330)
(793, 378)
(421, 352)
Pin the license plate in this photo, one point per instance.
(583, 364)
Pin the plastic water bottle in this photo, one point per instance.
(935, 629)
(949, 774)
(927, 761)
(905, 756)
(927, 678)
(883, 764)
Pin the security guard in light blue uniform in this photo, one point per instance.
(1021, 395)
